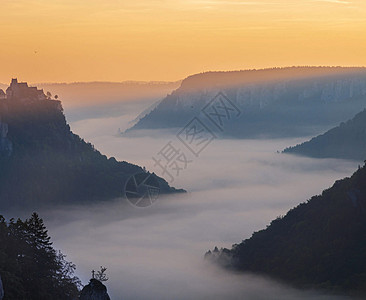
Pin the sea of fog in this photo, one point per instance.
(235, 188)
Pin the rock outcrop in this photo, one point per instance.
(6, 146)
(95, 290)
(1, 289)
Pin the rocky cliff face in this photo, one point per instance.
(6, 147)
(95, 290)
(1, 290)
(271, 103)
(326, 91)
(277, 107)
(260, 95)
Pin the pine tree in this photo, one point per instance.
(30, 267)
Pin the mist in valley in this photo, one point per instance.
(201, 108)
(234, 187)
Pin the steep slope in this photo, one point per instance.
(318, 244)
(273, 102)
(144, 113)
(43, 162)
(347, 141)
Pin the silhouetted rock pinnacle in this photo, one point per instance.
(95, 290)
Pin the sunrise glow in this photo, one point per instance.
(115, 40)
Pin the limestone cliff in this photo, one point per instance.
(6, 147)
(284, 102)
(1, 290)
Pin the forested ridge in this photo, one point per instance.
(346, 141)
(48, 164)
(319, 244)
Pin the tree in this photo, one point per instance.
(101, 276)
(30, 267)
(38, 234)
(56, 97)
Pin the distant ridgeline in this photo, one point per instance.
(280, 102)
(43, 162)
(319, 244)
(347, 141)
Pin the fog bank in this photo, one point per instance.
(235, 188)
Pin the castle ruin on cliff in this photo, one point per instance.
(21, 91)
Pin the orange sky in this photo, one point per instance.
(116, 40)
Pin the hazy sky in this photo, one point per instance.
(79, 40)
